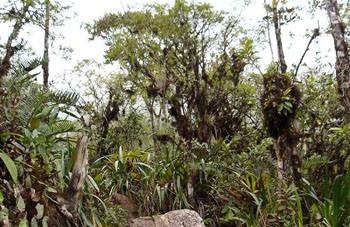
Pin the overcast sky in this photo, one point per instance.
(89, 10)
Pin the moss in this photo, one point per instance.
(279, 102)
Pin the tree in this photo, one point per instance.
(280, 101)
(45, 65)
(23, 12)
(277, 26)
(342, 64)
(108, 108)
(20, 16)
(184, 61)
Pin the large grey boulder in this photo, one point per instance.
(177, 218)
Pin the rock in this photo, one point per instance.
(142, 222)
(177, 218)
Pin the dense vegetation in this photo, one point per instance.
(190, 120)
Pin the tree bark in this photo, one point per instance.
(277, 26)
(111, 112)
(5, 65)
(342, 64)
(277, 149)
(68, 203)
(45, 65)
(268, 31)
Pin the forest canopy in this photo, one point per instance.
(184, 112)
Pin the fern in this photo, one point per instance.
(64, 97)
(22, 68)
(29, 105)
(19, 79)
(58, 128)
(307, 164)
(35, 101)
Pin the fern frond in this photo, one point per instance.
(307, 164)
(34, 101)
(58, 128)
(30, 103)
(25, 66)
(19, 78)
(64, 97)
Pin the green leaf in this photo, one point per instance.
(281, 207)
(98, 177)
(45, 112)
(85, 219)
(121, 158)
(289, 104)
(28, 182)
(20, 204)
(144, 157)
(116, 165)
(35, 123)
(52, 190)
(314, 208)
(10, 165)
(300, 211)
(43, 154)
(71, 161)
(286, 92)
(1, 197)
(23, 223)
(45, 221)
(134, 175)
(34, 222)
(7, 134)
(93, 182)
(229, 216)
(27, 133)
(280, 108)
(336, 129)
(4, 212)
(341, 192)
(39, 211)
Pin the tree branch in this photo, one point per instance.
(314, 35)
(277, 26)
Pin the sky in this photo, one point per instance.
(88, 10)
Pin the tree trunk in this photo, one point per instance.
(277, 149)
(68, 203)
(342, 64)
(149, 102)
(10, 50)
(268, 31)
(277, 26)
(45, 65)
(111, 112)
